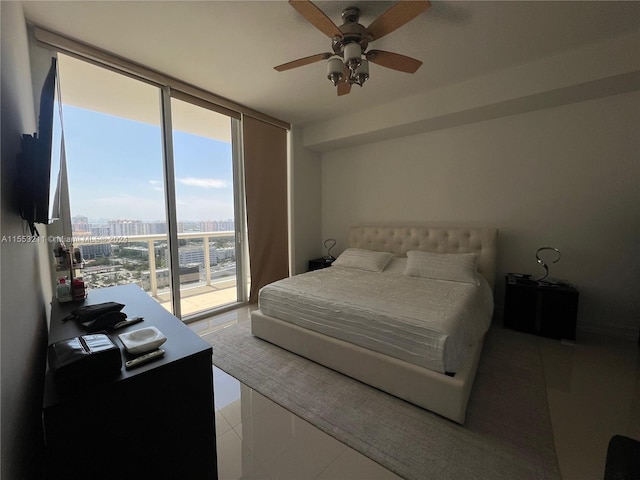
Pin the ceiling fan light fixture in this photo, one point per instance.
(362, 72)
(334, 70)
(349, 58)
(352, 55)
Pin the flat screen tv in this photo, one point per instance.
(34, 160)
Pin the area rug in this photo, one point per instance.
(507, 434)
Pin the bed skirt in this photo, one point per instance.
(445, 395)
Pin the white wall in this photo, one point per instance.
(592, 71)
(566, 176)
(306, 204)
(24, 280)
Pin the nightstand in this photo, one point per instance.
(318, 263)
(541, 308)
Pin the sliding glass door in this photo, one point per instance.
(203, 164)
(142, 166)
(113, 142)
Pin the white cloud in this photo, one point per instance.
(203, 182)
(157, 185)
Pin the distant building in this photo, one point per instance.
(90, 252)
(100, 231)
(217, 226)
(80, 223)
(155, 228)
(188, 274)
(123, 228)
(194, 255)
(162, 279)
(226, 253)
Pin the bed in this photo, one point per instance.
(369, 322)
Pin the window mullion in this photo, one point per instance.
(170, 199)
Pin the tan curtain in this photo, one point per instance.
(265, 163)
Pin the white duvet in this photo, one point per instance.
(429, 323)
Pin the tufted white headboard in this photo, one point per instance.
(432, 238)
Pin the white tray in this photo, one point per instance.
(142, 340)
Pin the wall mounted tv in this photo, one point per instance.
(34, 160)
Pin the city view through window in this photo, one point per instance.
(116, 184)
(122, 259)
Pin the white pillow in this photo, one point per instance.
(363, 259)
(397, 265)
(457, 267)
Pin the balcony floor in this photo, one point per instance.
(199, 298)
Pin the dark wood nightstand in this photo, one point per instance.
(318, 263)
(541, 308)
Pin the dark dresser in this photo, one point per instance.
(154, 421)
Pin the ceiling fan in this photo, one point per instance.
(348, 64)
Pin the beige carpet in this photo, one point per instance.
(507, 434)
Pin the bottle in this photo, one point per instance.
(63, 291)
(78, 289)
(58, 252)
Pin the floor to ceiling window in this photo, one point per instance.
(123, 185)
(204, 160)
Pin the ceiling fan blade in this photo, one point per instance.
(395, 61)
(396, 16)
(344, 88)
(316, 17)
(303, 61)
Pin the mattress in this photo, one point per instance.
(426, 322)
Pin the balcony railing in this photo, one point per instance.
(150, 241)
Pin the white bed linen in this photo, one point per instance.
(429, 323)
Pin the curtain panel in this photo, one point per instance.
(265, 163)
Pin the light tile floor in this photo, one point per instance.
(593, 390)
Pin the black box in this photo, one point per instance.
(84, 359)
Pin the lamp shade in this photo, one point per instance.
(362, 72)
(334, 69)
(352, 53)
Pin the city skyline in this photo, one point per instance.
(80, 224)
(102, 221)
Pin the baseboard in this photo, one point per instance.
(617, 331)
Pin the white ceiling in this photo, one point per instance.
(230, 47)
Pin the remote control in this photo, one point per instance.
(127, 322)
(142, 359)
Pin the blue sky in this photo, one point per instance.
(115, 170)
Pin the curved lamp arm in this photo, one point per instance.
(544, 265)
(329, 243)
